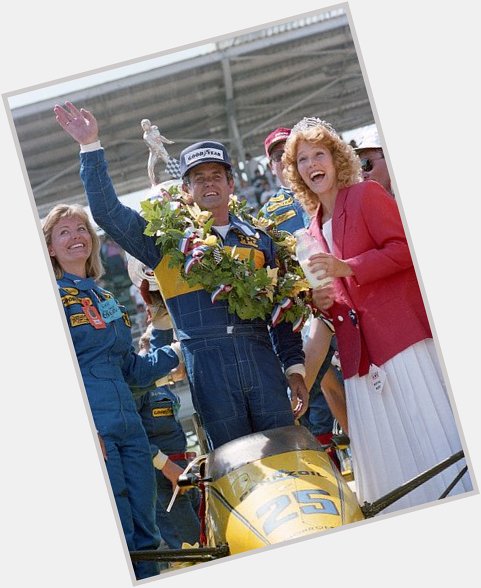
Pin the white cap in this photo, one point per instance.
(370, 140)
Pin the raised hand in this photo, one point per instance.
(79, 124)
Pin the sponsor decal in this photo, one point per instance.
(205, 153)
(285, 216)
(163, 412)
(276, 204)
(282, 475)
(251, 241)
(127, 320)
(77, 320)
(70, 299)
(72, 291)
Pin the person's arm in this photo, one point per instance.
(142, 370)
(389, 253)
(125, 225)
(170, 469)
(335, 396)
(316, 347)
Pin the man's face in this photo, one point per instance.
(374, 167)
(209, 186)
(275, 161)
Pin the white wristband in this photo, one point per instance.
(95, 146)
(178, 351)
(160, 460)
(297, 368)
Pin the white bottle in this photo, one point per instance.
(306, 245)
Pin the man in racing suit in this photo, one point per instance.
(237, 379)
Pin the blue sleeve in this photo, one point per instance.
(143, 370)
(161, 337)
(287, 344)
(125, 225)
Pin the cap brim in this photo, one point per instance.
(213, 160)
(272, 145)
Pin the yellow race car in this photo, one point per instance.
(270, 487)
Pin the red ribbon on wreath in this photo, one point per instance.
(280, 309)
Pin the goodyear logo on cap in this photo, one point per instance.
(205, 153)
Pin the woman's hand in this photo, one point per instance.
(326, 265)
(79, 124)
(324, 297)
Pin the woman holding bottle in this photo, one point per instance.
(399, 415)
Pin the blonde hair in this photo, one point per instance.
(93, 266)
(345, 159)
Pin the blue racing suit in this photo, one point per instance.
(158, 408)
(286, 210)
(237, 383)
(107, 362)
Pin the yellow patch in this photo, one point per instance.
(71, 299)
(279, 198)
(163, 412)
(76, 320)
(285, 216)
(245, 240)
(127, 320)
(71, 291)
(273, 206)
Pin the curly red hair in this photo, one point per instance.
(345, 159)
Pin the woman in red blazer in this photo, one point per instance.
(399, 415)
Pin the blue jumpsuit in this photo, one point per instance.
(107, 362)
(157, 409)
(237, 383)
(286, 210)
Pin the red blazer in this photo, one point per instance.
(379, 310)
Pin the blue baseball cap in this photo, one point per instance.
(203, 152)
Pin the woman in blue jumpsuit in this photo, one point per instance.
(100, 331)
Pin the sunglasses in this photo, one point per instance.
(276, 156)
(367, 163)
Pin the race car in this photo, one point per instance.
(270, 487)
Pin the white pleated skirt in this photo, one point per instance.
(403, 430)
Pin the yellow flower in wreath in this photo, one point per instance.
(210, 241)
